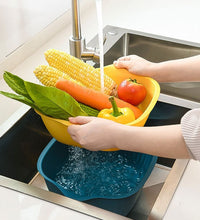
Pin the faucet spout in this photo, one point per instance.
(76, 25)
(77, 42)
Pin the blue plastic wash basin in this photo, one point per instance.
(109, 180)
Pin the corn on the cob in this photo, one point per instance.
(79, 70)
(48, 75)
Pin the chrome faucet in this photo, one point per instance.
(77, 42)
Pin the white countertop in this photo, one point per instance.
(177, 19)
(186, 201)
(20, 206)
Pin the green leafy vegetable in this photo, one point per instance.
(89, 110)
(16, 84)
(47, 100)
(54, 101)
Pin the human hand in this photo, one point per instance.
(93, 133)
(135, 64)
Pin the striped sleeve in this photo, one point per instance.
(190, 126)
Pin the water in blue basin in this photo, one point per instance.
(81, 174)
(109, 173)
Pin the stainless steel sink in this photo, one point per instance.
(121, 42)
(20, 146)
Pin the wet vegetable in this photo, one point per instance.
(93, 98)
(131, 91)
(120, 115)
(48, 100)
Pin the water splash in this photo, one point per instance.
(88, 173)
(100, 38)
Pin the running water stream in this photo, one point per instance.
(100, 38)
(98, 174)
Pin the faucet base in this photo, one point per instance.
(78, 49)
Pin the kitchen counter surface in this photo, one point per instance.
(186, 201)
(176, 19)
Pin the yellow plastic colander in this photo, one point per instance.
(58, 128)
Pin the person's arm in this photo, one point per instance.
(180, 70)
(164, 141)
(98, 134)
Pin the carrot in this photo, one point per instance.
(91, 97)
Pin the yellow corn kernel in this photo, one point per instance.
(79, 70)
(48, 75)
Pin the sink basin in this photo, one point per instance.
(22, 144)
(121, 42)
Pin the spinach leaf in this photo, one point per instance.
(89, 110)
(16, 84)
(47, 100)
(54, 102)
